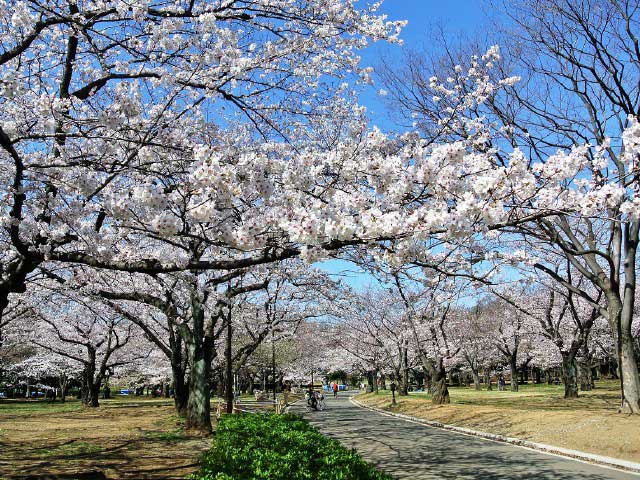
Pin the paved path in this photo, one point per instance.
(409, 450)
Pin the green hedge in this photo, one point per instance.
(279, 447)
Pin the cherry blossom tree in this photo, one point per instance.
(85, 332)
(43, 364)
(106, 105)
(572, 194)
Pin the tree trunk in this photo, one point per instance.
(586, 376)
(427, 379)
(375, 381)
(487, 380)
(198, 407)
(514, 373)
(476, 379)
(404, 383)
(536, 376)
(629, 371)
(90, 385)
(91, 394)
(180, 390)
(569, 376)
(620, 318)
(63, 381)
(370, 381)
(440, 390)
(228, 363)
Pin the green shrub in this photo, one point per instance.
(279, 447)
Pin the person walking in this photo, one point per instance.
(334, 387)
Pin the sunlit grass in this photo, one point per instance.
(530, 396)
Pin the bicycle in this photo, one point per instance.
(315, 401)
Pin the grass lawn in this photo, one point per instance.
(125, 438)
(538, 413)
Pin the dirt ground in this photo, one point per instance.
(118, 440)
(590, 423)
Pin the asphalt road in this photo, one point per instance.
(408, 450)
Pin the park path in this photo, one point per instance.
(408, 450)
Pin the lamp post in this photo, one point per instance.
(273, 363)
(393, 393)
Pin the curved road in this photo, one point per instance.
(408, 450)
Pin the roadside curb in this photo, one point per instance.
(610, 462)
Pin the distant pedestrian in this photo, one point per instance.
(334, 387)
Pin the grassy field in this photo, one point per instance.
(538, 413)
(125, 438)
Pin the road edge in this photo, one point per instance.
(614, 463)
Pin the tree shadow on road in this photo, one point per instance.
(409, 450)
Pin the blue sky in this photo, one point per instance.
(455, 16)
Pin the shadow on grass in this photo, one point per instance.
(156, 455)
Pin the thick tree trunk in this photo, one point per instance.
(180, 390)
(569, 375)
(620, 318)
(90, 385)
(91, 394)
(629, 371)
(586, 376)
(514, 373)
(476, 380)
(440, 390)
(198, 407)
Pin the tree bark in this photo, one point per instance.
(586, 377)
(629, 373)
(569, 376)
(228, 363)
(180, 390)
(90, 385)
(404, 383)
(375, 381)
(440, 394)
(514, 373)
(198, 407)
(63, 381)
(620, 318)
(476, 379)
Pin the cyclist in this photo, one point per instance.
(312, 400)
